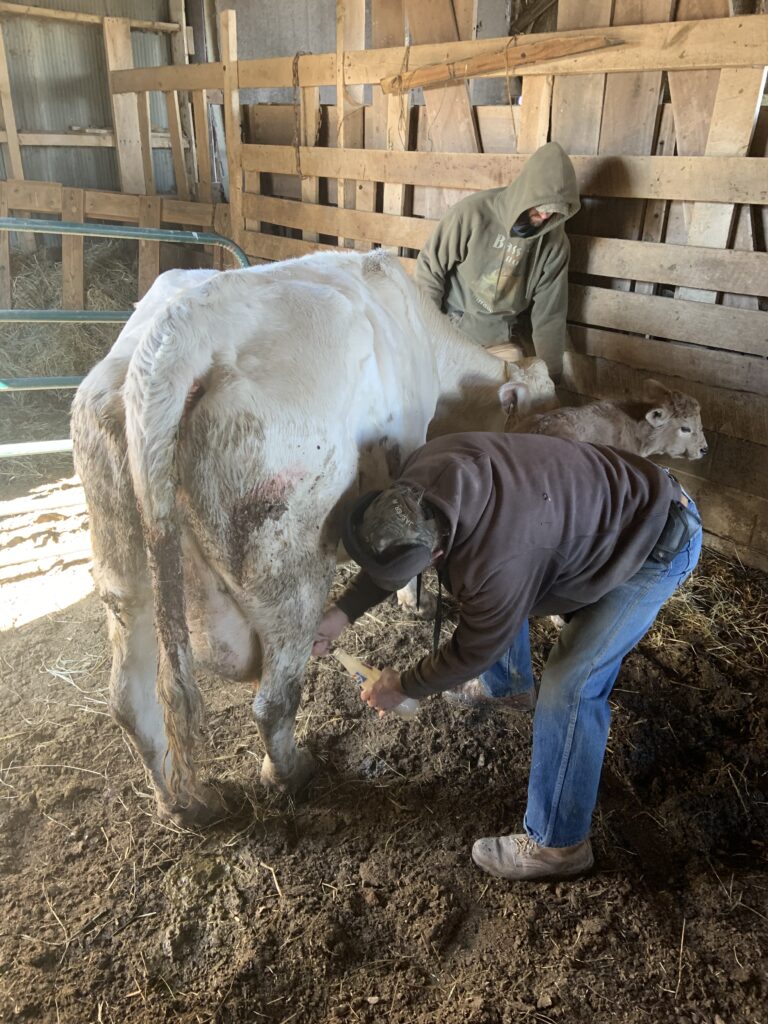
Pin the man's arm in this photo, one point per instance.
(550, 309)
(488, 623)
(440, 254)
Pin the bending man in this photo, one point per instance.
(521, 525)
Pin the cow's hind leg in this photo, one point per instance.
(287, 633)
(135, 706)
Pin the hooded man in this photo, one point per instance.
(500, 252)
(520, 525)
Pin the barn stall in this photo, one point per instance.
(355, 126)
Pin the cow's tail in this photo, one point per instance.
(174, 354)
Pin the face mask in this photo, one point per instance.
(523, 227)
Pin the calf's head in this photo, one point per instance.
(675, 421)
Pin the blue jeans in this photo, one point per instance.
(572, 718)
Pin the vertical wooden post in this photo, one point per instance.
(177, 144)
(656, 210)
(309, 118)
(202, 146)
(390, 116)
(577, 101)
(180, 55)
(737, 105)
(232, 121)
(72, 269)
(350, 128)
(451, 126)
(145, 137)
(535, 112)
(125, 108)
(150, 208)
(14, 167)
(5, 254)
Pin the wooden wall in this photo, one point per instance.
(665, 127)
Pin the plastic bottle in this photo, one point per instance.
(364, 675)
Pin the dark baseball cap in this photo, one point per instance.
(390, 569)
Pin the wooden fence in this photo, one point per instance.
(664, 124)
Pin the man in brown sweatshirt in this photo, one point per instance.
(521, 525)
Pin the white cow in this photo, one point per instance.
(218, 444)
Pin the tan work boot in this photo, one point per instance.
(522, 859)
(473, 692)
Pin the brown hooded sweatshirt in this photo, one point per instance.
(475, 268)
(538, 526)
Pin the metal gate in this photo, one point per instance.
(54, 227)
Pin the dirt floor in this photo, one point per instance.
(360, 902)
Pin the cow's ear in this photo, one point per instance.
(658, 416)
(513, 396)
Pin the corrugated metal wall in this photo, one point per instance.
(58, 79)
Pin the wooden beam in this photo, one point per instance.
(232, 119)
(715, 368)
(177, 144)
(309, 129)
(125, 111)
(510, 61)
(387, 29)
(350, 130)
(5, 257)
(358, 225)
(535, 111)
(150, 212)
(88, 138)
(745, 273)
(180, 58)
(452, 127)
(716, 43)
(145, 139)
(28, 11)
(734, 116)
(202, 145)
(735, 330)
(577, 106)
(706, 179)
(14, 167)
(72, 265)
(168, 78)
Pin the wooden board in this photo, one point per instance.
(735, 330)
(125, 111)
(577, 104)
(5, 258)
(72, 267)
(449, 124)
(180, 57)
(731, 270)
(535, 111)
(706, 366)
(350, 132)
(177, 144)
(358, 225)
(706, 179)
(145, 140)
(150, 211)
(202, 145)
(232, 119)
(734, 116)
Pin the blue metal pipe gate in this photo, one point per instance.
(59, 227)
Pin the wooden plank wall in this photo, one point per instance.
(662, 242)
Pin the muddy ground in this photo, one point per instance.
(360, 902)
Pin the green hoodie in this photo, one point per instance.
(477, 269)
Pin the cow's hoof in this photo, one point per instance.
(205, 808)
(300, 774)
(427, 609)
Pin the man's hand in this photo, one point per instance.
(332, 624)
(384, 693)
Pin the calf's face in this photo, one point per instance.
(676, 422)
